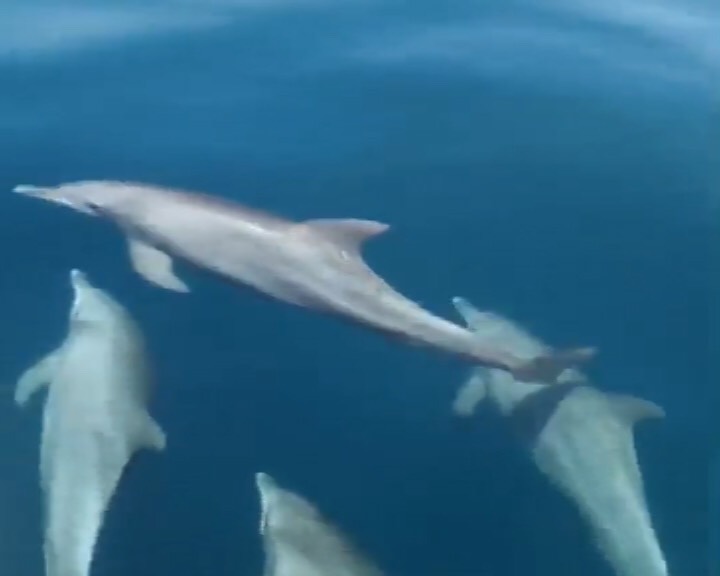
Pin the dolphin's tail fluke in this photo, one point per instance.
(547, 368)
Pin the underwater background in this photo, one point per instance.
(551, 161)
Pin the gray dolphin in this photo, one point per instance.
(580, 438)
(298, 541)
(95, 419)
(314, 264)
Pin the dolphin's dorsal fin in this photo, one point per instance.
(633, 410)
(154, 265)
(350, 233)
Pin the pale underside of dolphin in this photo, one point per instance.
(298, 541)
(581, 439)
(94, 420)
(315, 264)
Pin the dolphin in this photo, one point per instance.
(580, 438)
(316, 264)
(298, 541)
(94, 420)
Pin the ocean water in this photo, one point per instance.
(551, 162)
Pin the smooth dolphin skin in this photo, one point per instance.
(315, 264)
(581, 439)
(298, 541)
(95, 419)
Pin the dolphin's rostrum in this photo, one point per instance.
(316, 264)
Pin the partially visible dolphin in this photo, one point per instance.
(314, 264)
(581, 439)
(298, 541)
(95, 419)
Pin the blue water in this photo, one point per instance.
(552, 166)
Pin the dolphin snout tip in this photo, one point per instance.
(77, 277)
(264, 481)
(28, 189)
(460, 302)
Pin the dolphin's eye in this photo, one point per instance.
(93, 207)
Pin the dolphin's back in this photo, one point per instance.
(208, 202)
(299, 541)
(586, 449)
(82, 453)
(95, 419)
(317, 551)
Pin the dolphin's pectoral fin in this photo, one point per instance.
(154, 265)
(632, 409)
(547, 368)
(471, 393)
(349, 233)
(572, 376)
(35, 378)
(467, 310)
(152, 436)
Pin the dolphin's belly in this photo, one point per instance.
(261, 259)
(301, 270)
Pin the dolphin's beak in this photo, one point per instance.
(77, 278)
(265, 482)
(30, 190)
(265, 485)
(79, 283)
(56, 195)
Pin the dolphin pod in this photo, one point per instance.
(298, 541)
(316, 264)
(95, 418)
(581, 439)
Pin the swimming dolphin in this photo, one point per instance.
(581, 439)
(298, 541)
(95, 419)
(314, 264)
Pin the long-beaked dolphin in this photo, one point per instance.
(298, 541)
(95, 418)
(580, 438)
(315, 264)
